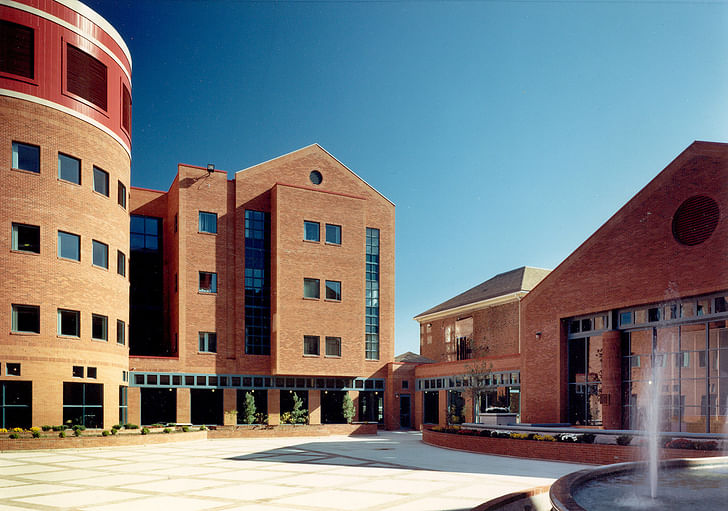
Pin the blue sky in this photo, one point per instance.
(505, 132)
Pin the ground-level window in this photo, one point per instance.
(371, 406)
(431, 407)
(15, 404)
(123, 404)
(83, 404)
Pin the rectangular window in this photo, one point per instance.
(26, 238)
(311, 231)
(86, 76)
(123, 405)
(17, 49)
(69, 323)
(257, 282)
(145, 233)
(69, 168)
(333, 234)
(311, 288)
(12, 370)
(311, 345)
(69, 246)
(83, 403)
(121, 263)
(25, 319)
(120, 332)
(26, 157)
(208, 222)
(208, 342)
(371, 300)
(91, 373)
(208, 282)
(333, 346)
(125, 108)
(77, 371)
(99, 327)
(333, 290)
(121, 195)
(101, 181)
(100, 254)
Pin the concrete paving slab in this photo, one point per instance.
(160, 503)
(77, 499)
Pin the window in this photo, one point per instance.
(208, 282)
(17, 50)
(83, 403)
(69, 323)
(405, 385)
(311, 231)
(121, 263)
(145, 233)
(86, 76)
(69, 246)
(257, 282)
(333, 234)
(125, 108)
(25, 319)
(91, 373)
(77, 371)
(311, 288)
(99, 327)
(333, 290)
(208, 342)
(371, 300)
(333, 346)
(100, 254)
(120, 332)
(208, 222)
(311, 345)
(121, 195)
(12, 369)
(26, 157)
(69, 169)
(175, 222)
(26, 238)
(101, 181)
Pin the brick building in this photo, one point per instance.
(131, 305)
(639, 308)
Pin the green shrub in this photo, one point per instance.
(46, 428)
(624, 439)
(13, 435)
(145, 431)
(77, 432)
(116, 426)
(587, 438)
(249, 410)
(203, 428)
(79, 427)
(347, 408)
(114, 431)
(130, 426)
(156, 425)
(59, 428)
(167, 430)
(62, 434)
(105, 433)
(185, 428)
(36, 434)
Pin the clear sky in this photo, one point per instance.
(506, 132)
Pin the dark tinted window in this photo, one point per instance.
(16, 49)
(86, 76)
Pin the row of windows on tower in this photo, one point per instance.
(86, 77)
(311, 346)
(26, 238)
(25, 319)
(27, 157)
(312, 289)
(312, 232)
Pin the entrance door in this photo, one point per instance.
(404, 411)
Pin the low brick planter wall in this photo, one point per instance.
(290, 430)
(590, 454)
(51, 441)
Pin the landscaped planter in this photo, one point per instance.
(593, 454)
(497, 419)
(284, 430)
(132, 437)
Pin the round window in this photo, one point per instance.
(695, 220)
(316, 177)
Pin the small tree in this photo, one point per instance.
(478, 376)
(347, 408)
(299, 415)
(249, 410)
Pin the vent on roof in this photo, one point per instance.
(695, 220)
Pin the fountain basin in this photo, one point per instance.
(698, 484)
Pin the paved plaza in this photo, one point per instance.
(392, 471)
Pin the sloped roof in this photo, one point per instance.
(412, 358)
(520, 279)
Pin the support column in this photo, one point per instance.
(611, 396)
(314, 407)
(184, 408)
(274, 407)
(418, 409)
(134, 405)
(442, 407)
(230, 407)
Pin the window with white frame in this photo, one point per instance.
(208, 222)
(208, 342)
